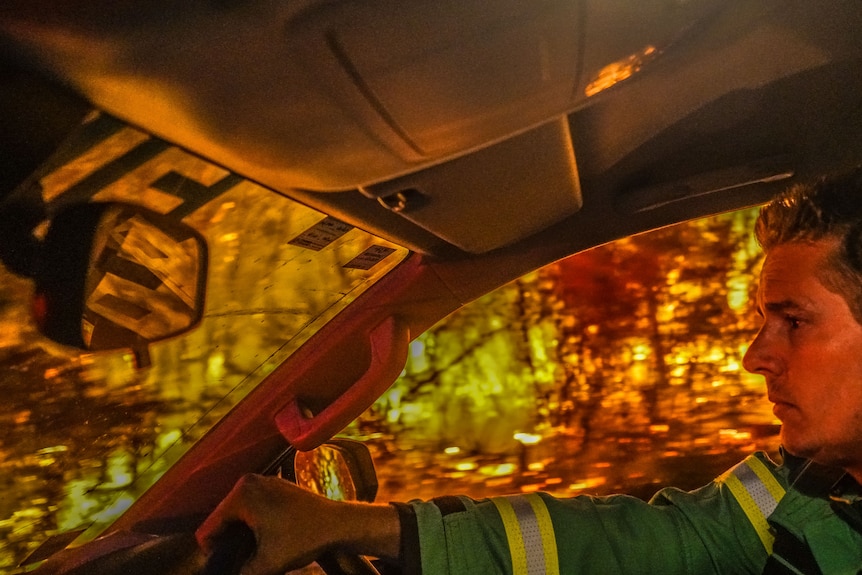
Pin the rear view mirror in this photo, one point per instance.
(117, 276)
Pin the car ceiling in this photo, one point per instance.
(348, 107)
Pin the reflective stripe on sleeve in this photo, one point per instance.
(530, 534)
(758, 493)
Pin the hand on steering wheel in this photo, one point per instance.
(266, 526)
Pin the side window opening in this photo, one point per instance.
(618, 369)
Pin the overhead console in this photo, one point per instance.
(429, 79)
(425, 82)
(495, 196)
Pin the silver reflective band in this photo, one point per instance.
(758, 492)
(756, 489)
(530, 534)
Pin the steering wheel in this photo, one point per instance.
(132, 553)
(170, 554)
(178, 554)
(236, 544)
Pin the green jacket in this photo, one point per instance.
(726, 527)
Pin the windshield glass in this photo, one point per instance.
(83, 435)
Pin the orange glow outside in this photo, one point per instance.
(616, 72)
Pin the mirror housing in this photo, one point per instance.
(117, 276)
(339, 469)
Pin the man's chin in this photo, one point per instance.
(793, 443)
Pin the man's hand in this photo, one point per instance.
(293, 526)
(289, 523)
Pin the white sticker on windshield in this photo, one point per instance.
(321, 234)
(369, 258)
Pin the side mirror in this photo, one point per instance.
(340, 469)
(115, 276)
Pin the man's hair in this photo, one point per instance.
(831, 210)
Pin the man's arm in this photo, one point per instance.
(293, 526)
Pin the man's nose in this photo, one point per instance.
(758, 358)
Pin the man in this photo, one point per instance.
(802, 516)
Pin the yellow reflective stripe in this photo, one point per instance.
(530, 534)
(772, 485)
(751, 510)
(758, 492)
(546, 528)
(513, 535)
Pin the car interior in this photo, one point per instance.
(483, 140)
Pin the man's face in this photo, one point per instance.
(809, 349)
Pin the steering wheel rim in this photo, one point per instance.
(179, 554)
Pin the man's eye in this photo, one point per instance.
(792, 321)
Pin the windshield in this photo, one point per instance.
(83, 435)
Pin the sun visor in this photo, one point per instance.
(495, 196)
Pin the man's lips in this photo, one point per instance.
(780, 406)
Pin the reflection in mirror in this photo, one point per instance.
(143, 278)
(325, 472)
(117, 276)
(342, 470)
